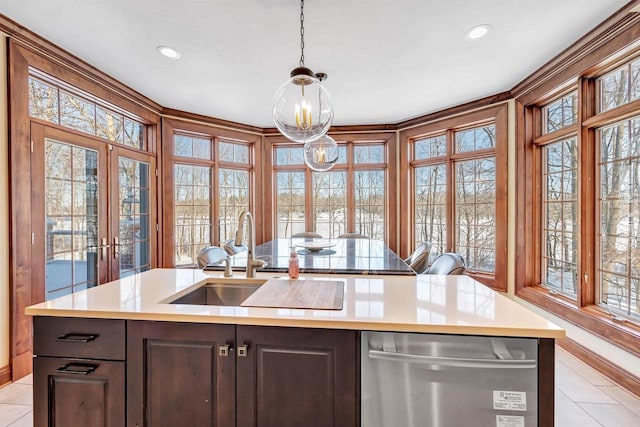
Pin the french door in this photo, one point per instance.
(93, 215)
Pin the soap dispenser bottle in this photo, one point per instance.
(294, 266)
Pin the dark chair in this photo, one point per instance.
(447, 263)
(232, 249)
(419, 259)
(352, 236)
(308, 234)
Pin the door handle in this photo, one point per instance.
(77, 368)
(224, 350)
(103, 248)
(116, 247)
(455, 362)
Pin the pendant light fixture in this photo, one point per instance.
(302, 109)
(321, 154)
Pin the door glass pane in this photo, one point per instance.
(71, 218)
(134, 244)
(193, 211)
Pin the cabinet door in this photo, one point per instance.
(78, 392)
(295, 377)
(176, 375)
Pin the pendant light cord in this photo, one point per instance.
(302, 33)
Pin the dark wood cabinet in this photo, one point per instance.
(74, 383)
(290, 377)
(108, 373)
(180, 374)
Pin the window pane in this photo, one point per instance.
(290, 191)
(43, 101)
(329, 203)
(620, 86)
(109, 125)
(430, 210)
(369, 154)
(475, 213)
(134, 134)
(370, 201)
(76, 113)
(192, 212)
(476, 139)
(233, 199)
(188, 146)
(561, 113)
(430, 147)
(619, 202)
(560, 235)
(233, 152)
(289, 156)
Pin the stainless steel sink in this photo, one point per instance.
(225, 293)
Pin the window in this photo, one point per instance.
(560, 213)
(620, 86)
(580, 216)
(453, 167)
(49, 102)
(212, 181)
(351, 197)
(619, 206)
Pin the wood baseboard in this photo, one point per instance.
(5, 375)
(620, 376)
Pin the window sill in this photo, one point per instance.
(593, 319)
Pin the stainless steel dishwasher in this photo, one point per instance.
(431, 380)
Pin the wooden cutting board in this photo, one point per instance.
(310, 294)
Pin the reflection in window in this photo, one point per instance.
(619, 229)
(475, 215)
(109, 125)
(76, 113)
(620, 86)
(560, 209)
(430, 206)
(43, 101)
(330, 203)
(561, 113)
(192, 211)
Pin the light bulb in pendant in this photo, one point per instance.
(321, 154)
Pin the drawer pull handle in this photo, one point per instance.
(77, 369)
(77, 338)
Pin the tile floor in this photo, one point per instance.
(584, 398)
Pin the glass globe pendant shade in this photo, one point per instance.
(321, 154)
(302, 109)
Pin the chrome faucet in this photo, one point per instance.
(252, 263)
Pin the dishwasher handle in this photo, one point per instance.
(455, 362)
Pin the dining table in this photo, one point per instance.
(326, 256)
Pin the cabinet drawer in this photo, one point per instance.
(78, 392)
(79, 338)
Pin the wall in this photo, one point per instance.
(4, 212)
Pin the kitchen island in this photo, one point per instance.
(251, 364)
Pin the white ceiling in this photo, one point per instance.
(387, 60)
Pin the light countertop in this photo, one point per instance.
(422, 303)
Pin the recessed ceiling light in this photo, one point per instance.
(478, 31)
(168, 52)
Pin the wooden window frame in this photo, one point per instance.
(171, 127)
(350, 140)
(496, 114)
(584, 311)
